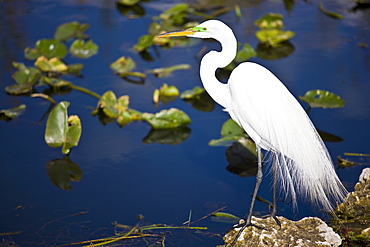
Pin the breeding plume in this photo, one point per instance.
(260, 103)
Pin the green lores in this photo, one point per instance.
(62, 130)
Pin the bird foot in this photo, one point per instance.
(243, 223)
(272, 215)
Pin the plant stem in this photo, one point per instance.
(84, 90)
(44, 96)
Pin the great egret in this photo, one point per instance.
(260, 103)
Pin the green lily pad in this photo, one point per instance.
(62, 130)
(31, 53)
(270, 21)
(192, 93)
(73, 133)
(108, 103)
(75, 69)
(71, 30)
(155, 28)
(165, 94)
(144, 42)
(274, 37)
(82, 49)
(164, 119)
(47, 47)
(109, 108)
(323, 99)
(123, 65)
(51, 65)
(124, 115)
(9, 114)
(231, 128)
(128, 2)
(175, 15)
(230, 132)
(25, 78)
(199, 99)
(163, 72)
(55, 82)
(245, 53)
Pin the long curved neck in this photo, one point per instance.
(213, 60)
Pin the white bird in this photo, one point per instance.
(260, 103)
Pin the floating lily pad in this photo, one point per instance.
(270, 21)
(46, 47)
(163, 72)
(75, 68)
(230, 132)
(25, 78)
(192, 93)
(175, 15)
(231, 128)
(165, 94)
(108, 103)
(323, 99)
(62, 130)
(82, 49)
(199, 99)
(123, 65)
(31, 53)
(9, 114)
(71, 30)
(129, 9)
(144, 42)
(51, 65)
(245, 53)
(155, 28)
(118, 109)
(171, 118)
(274, 37)
(55, 82)
(125, 114)
(128, 2)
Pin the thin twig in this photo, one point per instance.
(68, 216)
(210, 214)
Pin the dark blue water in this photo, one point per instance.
(122, 177)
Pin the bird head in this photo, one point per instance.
(205, 30)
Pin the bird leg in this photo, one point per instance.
(248, 218)
(274, 200)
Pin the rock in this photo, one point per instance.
(353, 215)
(307, 232)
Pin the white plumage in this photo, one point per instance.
(260, 103)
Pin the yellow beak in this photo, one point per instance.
(177, 33)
